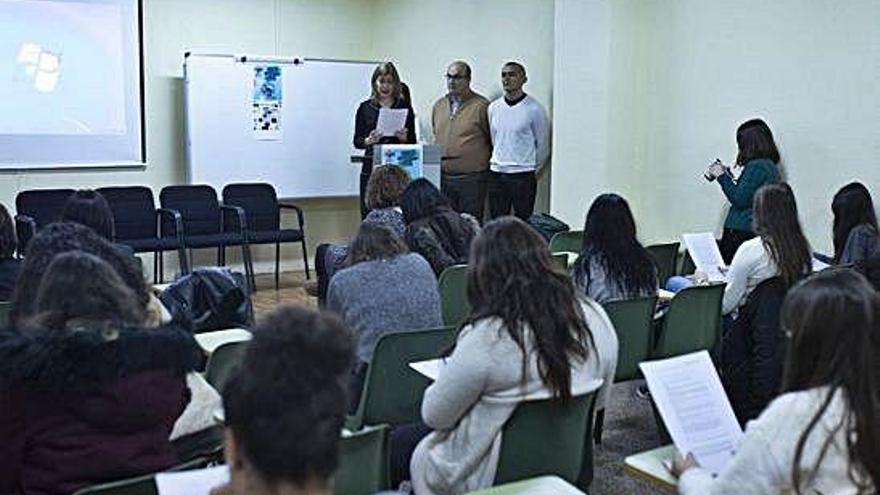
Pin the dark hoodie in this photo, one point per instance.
(85, 407)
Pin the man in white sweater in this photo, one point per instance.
(519, 129)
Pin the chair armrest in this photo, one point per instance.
(176, 219)
(239, 212)
(299, 214)
(24, 223)
(26, 220)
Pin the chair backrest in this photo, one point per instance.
(688, 266)
(140, 485)
(633, 321)
(260, 203)
(560, 261)
(43, 205)
(363, 462)
(753, 351)
(570, 241)
(134, 212)
(693, 322)
(548, 437)
(666, 258)
(392, 390)
(453, 295)
(197, 205)
(224, 363)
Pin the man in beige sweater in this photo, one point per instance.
(461, 129)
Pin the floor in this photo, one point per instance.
(629, 422)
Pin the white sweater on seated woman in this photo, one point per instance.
(478, 390)
(750, 266)
(763, 463)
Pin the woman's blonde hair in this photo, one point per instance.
(384, 69)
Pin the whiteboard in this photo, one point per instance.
(311, 159)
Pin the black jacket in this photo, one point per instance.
(368, 116)
(753, 351)
(444, 238)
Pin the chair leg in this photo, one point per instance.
(277, 263)
(182, 260)
(221, 256)
(155, 267)
(161, 267)
(248, 267)
(305, 258)
(597, 426)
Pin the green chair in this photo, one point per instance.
(139, 485)
(570, 241)
(634, 323)
(363, 462)
(560, 261)
(223, 363)
(687, 264)
(548, 437)
(453, 295)
(392, 392)
(5, 308)
(692, 323)
(665, 257)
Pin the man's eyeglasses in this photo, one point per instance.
(455, 77)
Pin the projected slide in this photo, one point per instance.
(70, 80)
(61, 68)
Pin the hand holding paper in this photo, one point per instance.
(391, 120)
(691, 400)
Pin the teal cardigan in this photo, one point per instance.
(755, 174)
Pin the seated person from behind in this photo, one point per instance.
(385, 289)
(9, 265)
(855, 230)
(822, 434)
(781, 249)
(384, 189)
(285, 409)
(433, 229)
(613, 265)
(88, 395)
(529, 336)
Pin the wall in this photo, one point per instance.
(682, 75)
(423, 36)
(171, 27)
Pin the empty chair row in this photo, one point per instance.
(190, 217)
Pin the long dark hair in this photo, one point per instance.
(852, 206)
(775, 218)
(755, 140)
(511, 278)
(80, 287)
(610, 239)
(421, 199)
(833, 319)
(90, 208)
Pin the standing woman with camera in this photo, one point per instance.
(758, 158)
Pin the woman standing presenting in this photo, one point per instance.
(385, 93)
(758, 157)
